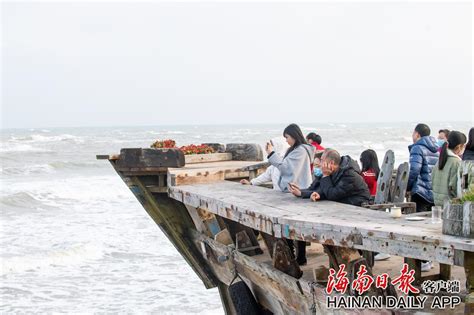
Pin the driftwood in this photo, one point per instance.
(400, 185)
(385, 177)
(149, 158)
(245, 151)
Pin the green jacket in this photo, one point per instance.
(445, 181)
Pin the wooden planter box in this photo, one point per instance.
(207, 158)
(458, 220)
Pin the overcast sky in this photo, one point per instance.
(125, 63)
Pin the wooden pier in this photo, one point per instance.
(213, 221)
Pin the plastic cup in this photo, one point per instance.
(436, 214)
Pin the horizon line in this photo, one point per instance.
(236, 124)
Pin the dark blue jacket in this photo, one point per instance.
(423, 156)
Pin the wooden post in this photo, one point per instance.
(252, 174)
(229, 307)
(444, 272)
(269, 241)
(469, 270)
(234, 228)
(284, 261)
(385, 177)
(414, 264)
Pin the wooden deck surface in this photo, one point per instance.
(283, 215)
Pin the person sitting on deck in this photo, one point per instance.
(341, 180)
(370, 170)
(295, 165)
(315, 140)
(318, 174)
(271, 173)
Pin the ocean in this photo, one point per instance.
(74, 239)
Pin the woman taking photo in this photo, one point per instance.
(295, 165)
(295, 168)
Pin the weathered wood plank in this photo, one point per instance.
(324, 222)
(111, 157)
(400, 185)
(256, 166)
(385, 177)
(206, 158)
(145, 158)
(207, 172)
(270, 285)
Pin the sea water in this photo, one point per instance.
(73, 238)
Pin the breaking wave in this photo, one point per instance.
(43, 138)
(73, 255)
(49, 168)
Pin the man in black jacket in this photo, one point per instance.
(340, 182)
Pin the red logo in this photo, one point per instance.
(339, 282)
(405, 279)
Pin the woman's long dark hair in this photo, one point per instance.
(369, 161)
(470, 143)
(455, 138)
(295, 132)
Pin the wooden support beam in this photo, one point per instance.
(226, 300)
(444, 272)
(269, 241)
(469, 269)
(234, 228)
(284, 260)
(415, 264)
(325, 222)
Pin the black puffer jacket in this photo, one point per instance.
(468, 155)
(345, 185)
(306, 193)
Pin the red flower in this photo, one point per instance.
(164, 144)
(196, 149)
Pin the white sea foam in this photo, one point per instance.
(28, 169)
(74, 255)
(17, 147)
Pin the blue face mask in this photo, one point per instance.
(317, 172)
(440, 142)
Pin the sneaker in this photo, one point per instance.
(426, 266)
(381, 256)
